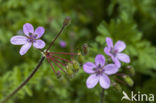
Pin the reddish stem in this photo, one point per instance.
(120, 81)
(51, 65)
(57, 65)
(63, 53)
(120, 74)
(52, 58)
(61, 58)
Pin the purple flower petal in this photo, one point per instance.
(18, 40)
(39, 44)
(99, 60)
(120, 46)
(88, 67)
(28, 28)
(116, 61)
(25, 48)
(109, 42)
(107, 51)
(123, 57)
(39, 31)
(110, 69)
(92, 81)
(104, 81)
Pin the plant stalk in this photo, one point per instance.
(24, 82)
(102, 96)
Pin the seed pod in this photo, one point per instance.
(69, 68)
(66, 21)
(85, 49)
(128, 80)
(58, 74)
(130, 70)
(80, 58)
(117, 87)
(75, 66)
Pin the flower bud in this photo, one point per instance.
(128, 80)
(75, 66)
(66, 21)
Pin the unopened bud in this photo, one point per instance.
(58, 74)
(85, 49)
(75, 66)
(128, 80)
(66, 20)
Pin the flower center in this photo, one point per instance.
(99, 69)
(32, 37)
(113, 51)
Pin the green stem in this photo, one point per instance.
(24, 82)
(102, 96)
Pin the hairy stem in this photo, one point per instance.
(24, 82)
(102, 96)
(56, 37)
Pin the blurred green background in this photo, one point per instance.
(133, 21)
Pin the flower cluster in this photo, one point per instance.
(100, 70)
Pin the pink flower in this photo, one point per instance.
(115, 51)
(31, 38)
(99, 72)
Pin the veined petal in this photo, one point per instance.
(88, 67)
(104, 81)
(39, 31)
(116, 61)
(120, 46)
(39, 44)
(123, 57)
(28, 28)
(18, 40)
(25, 48)
(99, 60)
(92, 81)
(109, 42)
(107, 51)
(110, 69)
